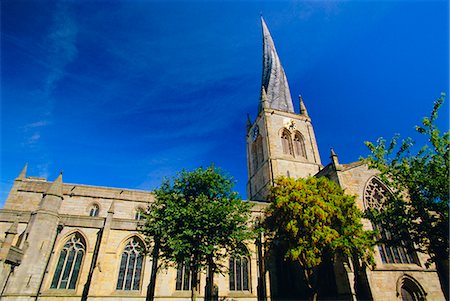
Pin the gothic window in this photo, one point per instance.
(69, 263)
(375, 194)
(183, 281)
(299, 145)
(286, 142)
(130, 269)
(239, 273)
(257, 153)
(138, 214)
(410, 290)
(93, 211)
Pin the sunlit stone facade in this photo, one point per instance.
(63, 241)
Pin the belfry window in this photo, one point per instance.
(183, 281)
(286, 142)
(69, 263)
(299, 145)
(94, 210)
(375, 194)
(239, 273)
(257, 153)
(130, 269)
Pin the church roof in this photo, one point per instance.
(274, 81)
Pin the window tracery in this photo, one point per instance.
(239, 273)
(286, 142)
(299, 145)
(375, 195)
(130, 269)
(69, 263)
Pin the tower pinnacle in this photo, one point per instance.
(274, 79)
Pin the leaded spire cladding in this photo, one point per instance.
(274, 79)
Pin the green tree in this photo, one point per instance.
(418, 208)
(315, 220)
(197, 219)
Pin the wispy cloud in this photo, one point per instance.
(60, 49)
(60, 44)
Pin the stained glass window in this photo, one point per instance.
(130, 269)
(69, 263)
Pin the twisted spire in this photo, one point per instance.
(274, 79)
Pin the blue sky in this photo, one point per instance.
(124, 93)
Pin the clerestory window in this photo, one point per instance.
(94, 210)
(69, 263)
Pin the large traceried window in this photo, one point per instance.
(183, 281)
(130, 269)
(69, 263)
(286, 142)
(239, 273)
(375, 194)
(299, 145)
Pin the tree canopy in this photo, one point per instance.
(315, 220)
(419, 179)
(198, 219)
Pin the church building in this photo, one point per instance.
(62, 241)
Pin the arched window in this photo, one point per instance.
(69, 263)
(409, 289)
(130, 266)
(183, 281)
(93, 211)
(257, 153)
(375, 195)
(286, 142)
(239, 273)
(299, 145)
(138, 214)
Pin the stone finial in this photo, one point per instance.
(23, 173)
(56, 187)
(303, 110)
(273, 78)
(249, 122)
(334, 159)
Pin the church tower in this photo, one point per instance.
(280, 142)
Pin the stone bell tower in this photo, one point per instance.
(280, 142)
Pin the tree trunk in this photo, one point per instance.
(311, 282)
(151, 286)
(194, 284)
(210, 281)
